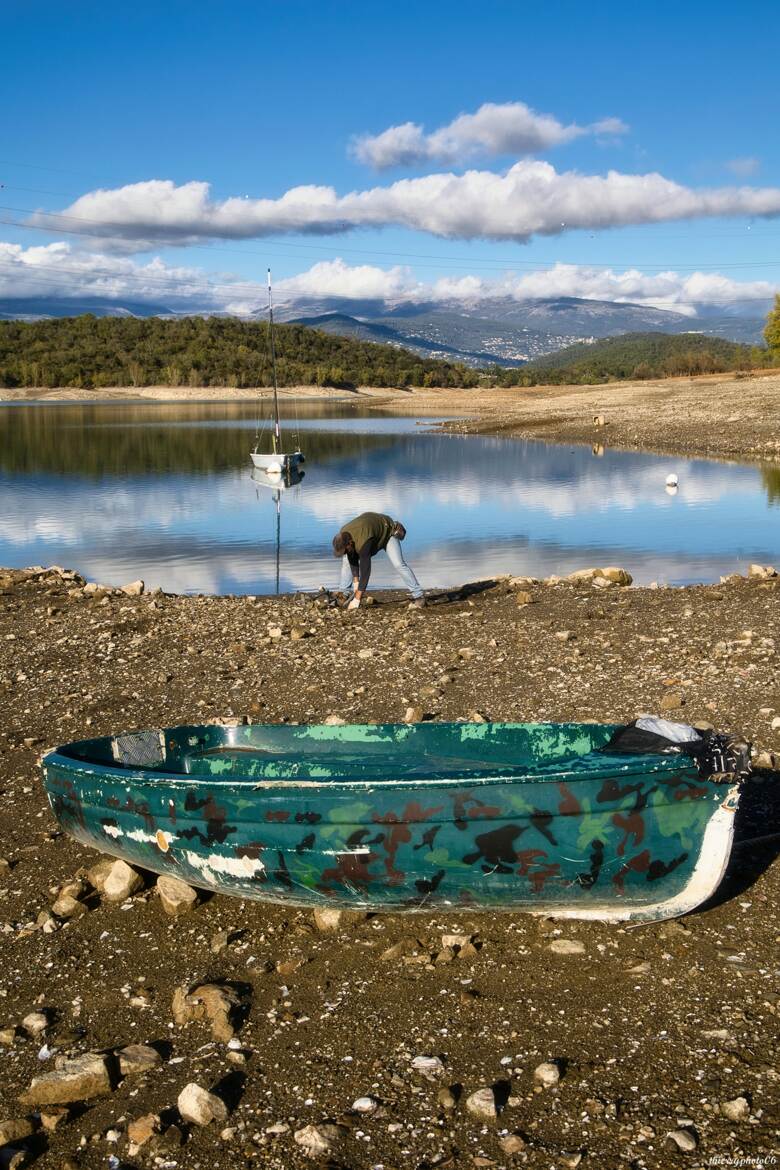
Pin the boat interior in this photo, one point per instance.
(369, 752)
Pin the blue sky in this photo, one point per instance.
(257, 98)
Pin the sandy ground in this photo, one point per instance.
(655, 1030)
(736, 417)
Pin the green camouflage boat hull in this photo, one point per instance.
(405, 817)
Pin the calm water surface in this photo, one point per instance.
(165, 492)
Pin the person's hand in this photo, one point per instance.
(354, 603)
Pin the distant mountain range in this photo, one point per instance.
(508, 331)
(496, 330)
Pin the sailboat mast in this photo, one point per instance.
(278, 536)
(277, 431)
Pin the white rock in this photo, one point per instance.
(176, 897)
(317, 1141)
(736, 1110)
(365, 1105)
(133, 589)
(335, 721)
(199, 1106)
(482, 1104)
(547, 1074)
(617, 575)
(456, 940)
(329, 919)
(566, 946)
(35, 1023)
(121, 881)
(429, 1067)
(683, 1139)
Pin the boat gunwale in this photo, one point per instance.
(153, 778)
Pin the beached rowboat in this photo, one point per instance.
(532, 817)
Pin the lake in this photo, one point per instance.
(165, 492)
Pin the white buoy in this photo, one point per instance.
(273, 469)
(672, 480)
(671, 489)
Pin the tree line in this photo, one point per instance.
(636, 356)
(95, 352)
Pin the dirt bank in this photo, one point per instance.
(654, 1030)
(727, 416)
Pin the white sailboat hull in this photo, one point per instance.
(271, 463)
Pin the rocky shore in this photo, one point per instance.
(143, 1024)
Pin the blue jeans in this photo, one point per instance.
(395, 553)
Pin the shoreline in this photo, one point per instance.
(712, 416)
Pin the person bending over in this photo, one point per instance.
(358, 541)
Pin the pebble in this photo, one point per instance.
(329, 919)
(66, 906)
(138, 1058)
(35, 1024)
(482, 1103)
(143, 1129)
(446, 1098)
(683, 1139)
(365, 1105)
(318, 1141)
(513, 1143)
(736, 1110)
(212, 1001)
(547, 1074)
(121, 882)
(430, 1067)
(79, 1079)
(566, 946)
(176, 897)
(200, 1107)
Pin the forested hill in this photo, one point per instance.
(203, 351)
(644, 355)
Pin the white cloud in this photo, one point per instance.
(511, 128)
(529, 199)
(665, 290)
(744, 167)
(334, 278)
(56, 270)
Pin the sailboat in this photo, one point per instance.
(276, 461)
(278, 482)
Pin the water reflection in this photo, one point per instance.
(165, 492)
